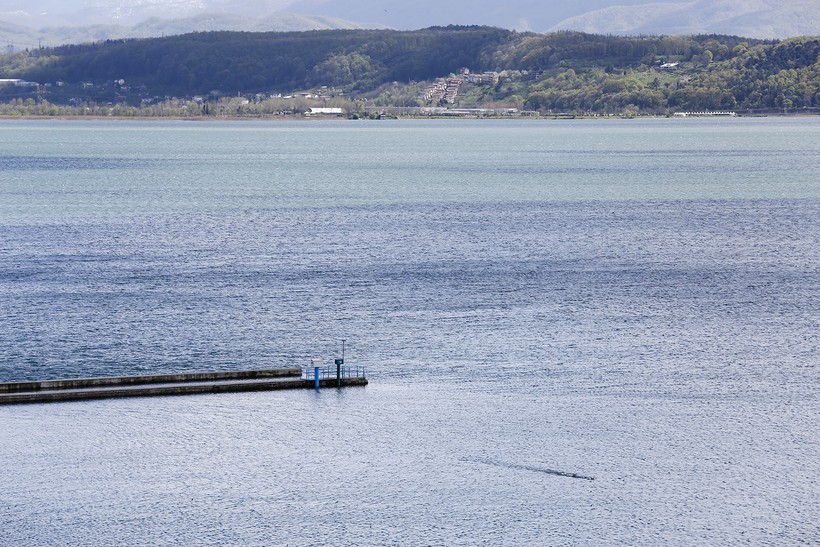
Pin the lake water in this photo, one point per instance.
(632, 301)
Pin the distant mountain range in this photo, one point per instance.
(752, 18)
(24, 24)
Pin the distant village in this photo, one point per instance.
(436, 72)
(444, 91)
(118, 98)
(452, 96)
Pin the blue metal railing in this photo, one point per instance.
(329, 372)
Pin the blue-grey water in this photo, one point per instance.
(636, 302)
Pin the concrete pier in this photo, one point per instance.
(162, 384)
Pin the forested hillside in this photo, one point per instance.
(570, 72)
(243, 61)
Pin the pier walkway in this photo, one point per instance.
(171, 384)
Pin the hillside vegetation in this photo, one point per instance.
(565, 72)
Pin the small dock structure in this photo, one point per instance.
(187, 383)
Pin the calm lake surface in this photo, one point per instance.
(636, 302)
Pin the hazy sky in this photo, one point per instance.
(398, 11)
(760, 18)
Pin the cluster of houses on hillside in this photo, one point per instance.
(485, 78)
(445, 90)
(442, 91)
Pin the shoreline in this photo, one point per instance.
(346, 118)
